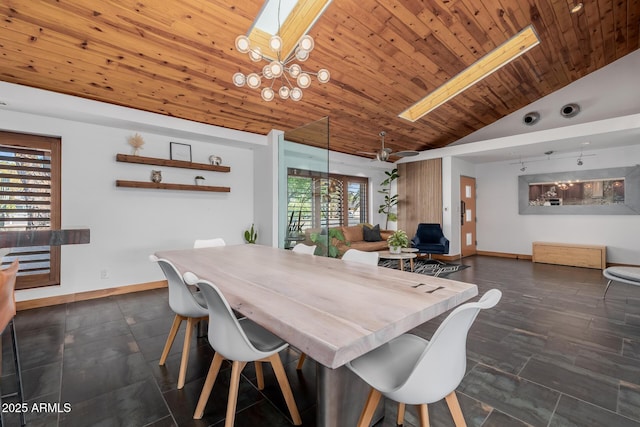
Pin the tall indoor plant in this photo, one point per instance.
(390, 201)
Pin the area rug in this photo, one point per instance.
(430, 268)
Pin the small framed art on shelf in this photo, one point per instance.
(180, 151)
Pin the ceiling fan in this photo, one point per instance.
(384, 153)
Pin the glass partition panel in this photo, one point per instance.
(308, 196)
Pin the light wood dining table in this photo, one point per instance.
(332, 310)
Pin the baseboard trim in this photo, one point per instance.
(83, 296)
(506, 255)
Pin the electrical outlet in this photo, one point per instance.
(104, 274)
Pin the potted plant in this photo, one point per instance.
(251, 235)
(325, 242)
(397, 241)
(390, 201)
(199, 179)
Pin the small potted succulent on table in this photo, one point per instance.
(397, 241)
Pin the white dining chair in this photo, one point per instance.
(622, 274)
(239, 341)
(187, 305)
(361, 256)
(209, 243)
(304, 249)
(412, 370)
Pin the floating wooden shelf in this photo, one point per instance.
(163, 186)
(170, 163)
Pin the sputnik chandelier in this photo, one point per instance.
(278, 68)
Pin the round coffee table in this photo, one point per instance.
(400, 257)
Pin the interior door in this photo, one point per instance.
(467, 216)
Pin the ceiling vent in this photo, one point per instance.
(531, 118)
(570, 110)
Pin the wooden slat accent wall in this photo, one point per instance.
(419, 194)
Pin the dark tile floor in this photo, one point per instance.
(552, 353)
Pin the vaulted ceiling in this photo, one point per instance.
(177, 58)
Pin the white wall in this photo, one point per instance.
(128, 224)
(502, 229)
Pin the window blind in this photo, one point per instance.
(29, 200)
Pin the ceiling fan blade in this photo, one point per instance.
(406, 153)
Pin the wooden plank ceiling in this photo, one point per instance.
(177, 58)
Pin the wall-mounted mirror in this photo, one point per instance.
(613, 191)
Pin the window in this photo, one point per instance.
(30, 200)
(316, 199)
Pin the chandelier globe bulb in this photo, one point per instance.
(242, 44)
(304, 80)
(256, 54)
(306, 43)
(267, 94)
(296, 94)
(295, 70)
(239, 79)
(302, 55)
(254, 81)
(275, 43)
(323, 75)
(284, 92)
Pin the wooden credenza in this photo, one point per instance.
(576, 255)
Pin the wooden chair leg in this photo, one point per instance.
(303, 357)
(177, 320)
(208, 385)
(423, 414)
(454, 408)
(400, 418)
(259, 375)
(281, 376)
(369, 408)
(234, 385)
(191, 323)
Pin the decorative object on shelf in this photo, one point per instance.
(136, 142)
(389, 201)
(251, 235)
(180, 151)
(199, 179)
(215, 160)
(397, 241)
(156, 176)
(279, 65)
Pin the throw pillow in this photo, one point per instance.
(371, 234)
(352, 233)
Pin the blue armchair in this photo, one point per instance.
(429, 239)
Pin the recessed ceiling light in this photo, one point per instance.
(491, 62)
(577, 8)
